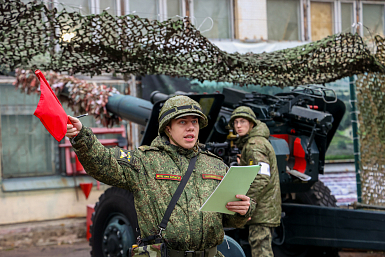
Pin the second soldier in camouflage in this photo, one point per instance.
(265, 190)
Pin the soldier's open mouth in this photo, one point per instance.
(190, 138)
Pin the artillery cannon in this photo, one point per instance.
(302, 124)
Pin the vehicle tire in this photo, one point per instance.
(114, 222)
(318, 195)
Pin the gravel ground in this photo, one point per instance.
(74, 250)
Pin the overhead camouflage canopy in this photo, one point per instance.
(103, 43)
(32, 36)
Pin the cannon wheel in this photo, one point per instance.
(114, 222)
(319, 195)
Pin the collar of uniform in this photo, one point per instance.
(162, 142)
(240, 142)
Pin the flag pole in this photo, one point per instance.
(77, 117)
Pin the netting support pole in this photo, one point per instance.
(354, 120)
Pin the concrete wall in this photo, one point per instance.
(250, 20)
(39, 205)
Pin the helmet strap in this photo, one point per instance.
(170, 137)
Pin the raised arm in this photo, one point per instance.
(101, 162)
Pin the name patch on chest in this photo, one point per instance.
(212, 176)
(168, 176)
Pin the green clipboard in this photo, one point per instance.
(237, 181)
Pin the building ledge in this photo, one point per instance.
(46, 182)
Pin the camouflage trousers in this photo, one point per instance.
(260, 241)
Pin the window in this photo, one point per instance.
(28, 150)
(283, 19)
(174, 8)
(110, 6)
(27, 147)
(220, 11)
(373, 20)
(322, 19)
(347, 17)
(220, 26)
(81, 6)
(143, 8)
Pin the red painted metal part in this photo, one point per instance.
(90, 210)
(299, 155)
(282, 136)
(297, 151)
(86, 188)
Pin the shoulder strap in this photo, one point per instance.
(177, 194)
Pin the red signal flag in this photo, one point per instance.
(50, 111)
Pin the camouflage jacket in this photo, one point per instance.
(265, 189)
(152, 174)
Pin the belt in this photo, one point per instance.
(205, 253)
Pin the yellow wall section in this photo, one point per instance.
(321, 19)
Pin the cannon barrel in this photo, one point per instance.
(157, 96)
(130, 108)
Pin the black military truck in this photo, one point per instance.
(302, 124)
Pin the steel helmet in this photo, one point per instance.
(243, 112)
(179, 106)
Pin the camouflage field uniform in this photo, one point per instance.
(265, 190)
(141, 171)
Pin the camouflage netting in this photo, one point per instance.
(81, 96)
(129, 44)
(34, 37)
(371, 103)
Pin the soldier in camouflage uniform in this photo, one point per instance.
(265, 190)
(152, 174)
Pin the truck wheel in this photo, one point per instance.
(319, 195)
(113, 229)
